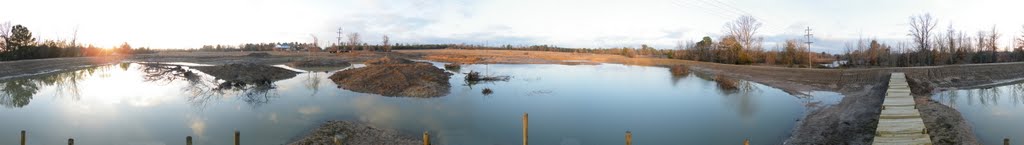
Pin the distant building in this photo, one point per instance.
(284, 47)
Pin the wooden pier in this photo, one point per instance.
(900, 122)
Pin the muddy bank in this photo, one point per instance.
(954, 77)
(395, 77)
(319, 64)
(351, 133)
(26, 68)
(945, 124)
(247, 73)
(274, 57)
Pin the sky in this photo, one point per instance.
(566, 23)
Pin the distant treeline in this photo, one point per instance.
(740, 45)
(930, 46)
(17, 43)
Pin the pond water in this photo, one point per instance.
(132, 104)
(994, 113)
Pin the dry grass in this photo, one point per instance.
(680, 70)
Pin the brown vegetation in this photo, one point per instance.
(725, 83)
(680, 70)
(453, 66)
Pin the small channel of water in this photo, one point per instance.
(993, 113)
(568, 104)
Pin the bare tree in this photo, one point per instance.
(353, 41)
(921, 27)
(316, 44)
(1020, 40)
(5, 31)
(993, 46)
(386, 45)
(744, 30)
(74, 37)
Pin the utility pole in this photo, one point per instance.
(808, 36)
(339, 39)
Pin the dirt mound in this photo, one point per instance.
(411, 80)
(247, 72)
(258, 54)
(389, 60)
(350, 133)
(319, 63)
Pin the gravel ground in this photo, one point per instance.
(351, 133)
(395, 77)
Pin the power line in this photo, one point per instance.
(808, 35)
(679, 3)
(339, 36)
(727, 9)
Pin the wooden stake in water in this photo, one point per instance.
(746, 141)
(426, 138)
(1006, 141)
(22, 137)
(237, 134)
(526, 126)
(629, 138)
(188, 140)
(71, 141)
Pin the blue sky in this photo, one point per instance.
(568, 23)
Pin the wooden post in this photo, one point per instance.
(237, 134)
(746, 141)
(188, 140)
(629, 138)
(426, 138)
(1006, 141)
(526, 126)
(336, 141)
(22, 137)
(71, 141)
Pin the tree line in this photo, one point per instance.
(17, 43)
(930, 46)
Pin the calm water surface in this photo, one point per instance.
(131, 104)
(994, 113)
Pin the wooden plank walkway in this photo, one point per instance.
(900, 122)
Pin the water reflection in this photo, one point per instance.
(985, 96)
(312, 82)
(587, 104)
(202, 89)
(993, 113)
(18, 93)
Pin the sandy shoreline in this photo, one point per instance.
(851, 121)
